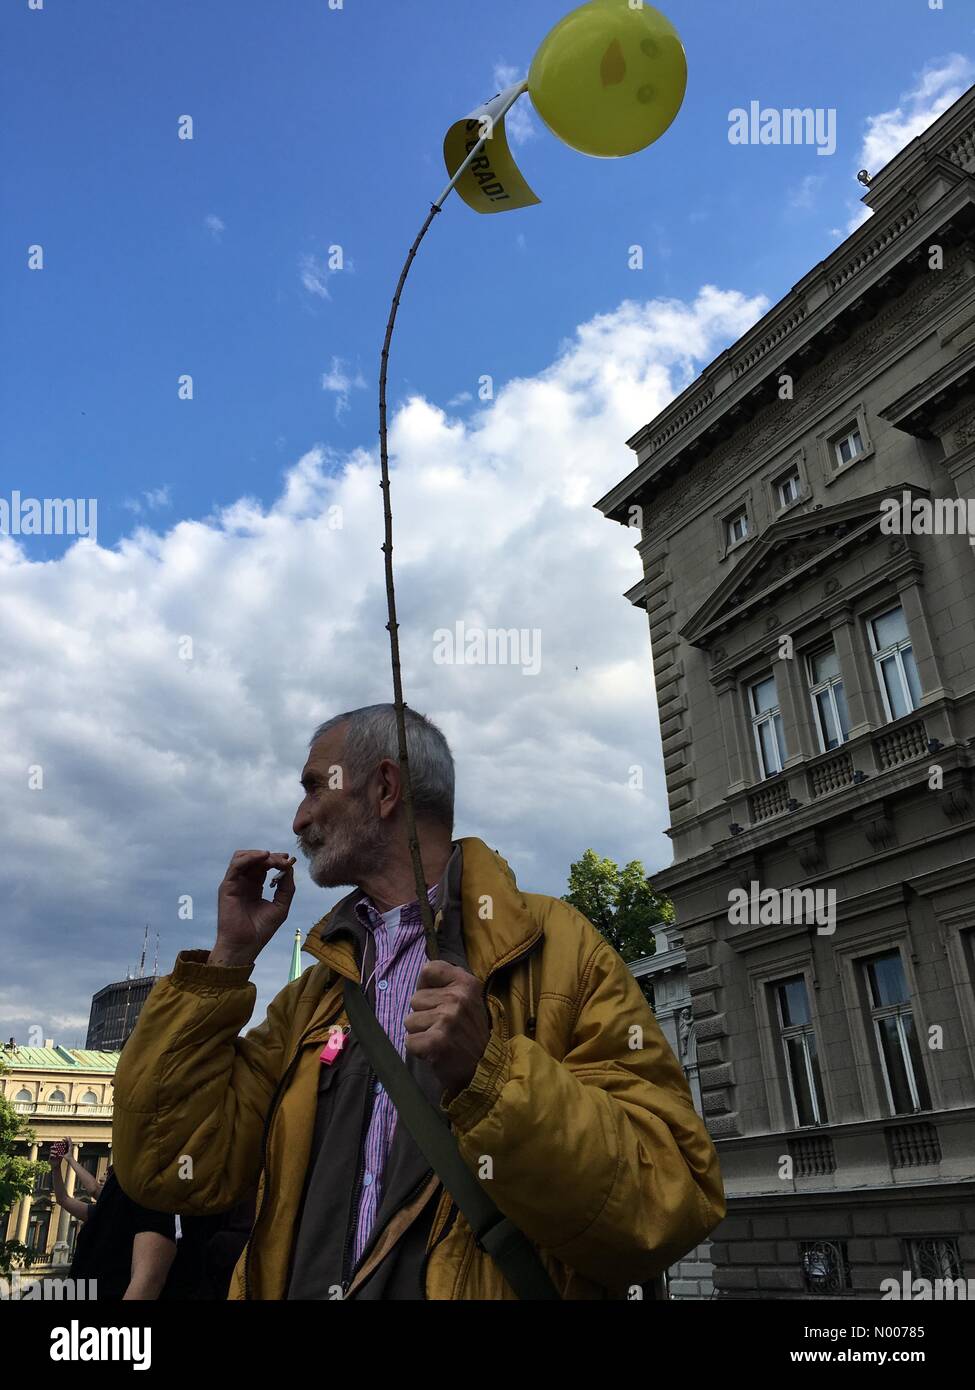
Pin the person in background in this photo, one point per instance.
(92, 1185)
(129, 1251)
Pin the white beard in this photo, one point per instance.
(347, 853)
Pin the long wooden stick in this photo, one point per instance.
(392, 626)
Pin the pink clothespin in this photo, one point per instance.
(333, 1048)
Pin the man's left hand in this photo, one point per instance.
(450, 1025)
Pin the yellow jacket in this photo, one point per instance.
(598, 1153)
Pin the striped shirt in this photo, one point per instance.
(400, 954)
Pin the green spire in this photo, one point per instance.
(295, 970)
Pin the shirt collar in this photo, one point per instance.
(351, 913)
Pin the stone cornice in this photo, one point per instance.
(923, 189)
(934, 398)
(779, 427)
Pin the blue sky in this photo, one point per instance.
(315, 127)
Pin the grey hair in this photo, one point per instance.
(371, 736)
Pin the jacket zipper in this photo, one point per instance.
(365, 1254)
(352, 1223)
(275, 1098)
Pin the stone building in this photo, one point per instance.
(814, 662)
(62, 1093)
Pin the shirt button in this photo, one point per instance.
(367, 1180)
(384, 984)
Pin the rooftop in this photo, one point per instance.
(57, 1058)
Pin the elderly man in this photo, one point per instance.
(528, 1033)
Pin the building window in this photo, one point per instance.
(23, 1097)
(893, 657)
(898, 1049)
(934, 1257)
(37, 1229)
(824, 1264)
(89, 1098)
(767, 726)
(788, 489)
(847, 445)
(736, 528)
(801, 1053)
(828, 698)
(56, 1098)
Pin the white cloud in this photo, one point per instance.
(214, 225)
(342, 383)
(156, 767)
(518, 123)
(941, 82)
(803, 196)
(154, 500)
(315, 276)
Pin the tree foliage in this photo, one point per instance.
(620, 903)
(17, 1175)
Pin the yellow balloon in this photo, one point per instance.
(609, 79)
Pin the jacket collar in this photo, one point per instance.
(498, 926)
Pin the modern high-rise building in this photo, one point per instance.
(114, 1012)
(807, 533)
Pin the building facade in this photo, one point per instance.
(61, 1093)
(663, 979)
(115, 1011)
(804, 511)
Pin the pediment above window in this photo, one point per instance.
(790, 552)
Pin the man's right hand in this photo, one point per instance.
(246, 920)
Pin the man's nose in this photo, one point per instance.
(301, 821)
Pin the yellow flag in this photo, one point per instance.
(492, 182)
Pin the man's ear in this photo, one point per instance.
(391, 788)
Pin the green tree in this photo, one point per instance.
(17, 1176)
(620, 903)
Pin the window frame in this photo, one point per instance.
(791, 1030)
(769, 716)
(881, 654)
(791, 475)
(741, 505)
(730, 522)
(851, 432)
(828, 686)
(879, 1012)
(841, 427)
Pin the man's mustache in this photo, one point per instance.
(310, 841)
